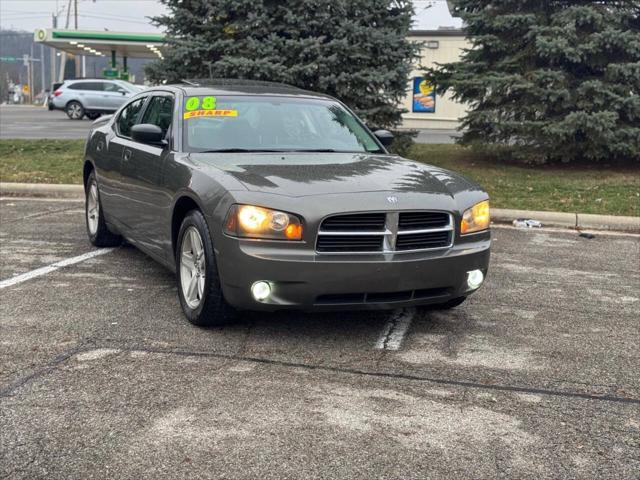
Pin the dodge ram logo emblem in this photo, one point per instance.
(392, 199)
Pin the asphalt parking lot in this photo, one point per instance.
(101, 376)
(25, 121)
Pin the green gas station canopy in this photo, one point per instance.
(102, 43)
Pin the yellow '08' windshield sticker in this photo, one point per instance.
(205, 107)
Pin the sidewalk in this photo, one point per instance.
(578, 221)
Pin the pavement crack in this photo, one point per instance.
(390, 375)
(48, 367)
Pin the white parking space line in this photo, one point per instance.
(53, 267)
(395, 329)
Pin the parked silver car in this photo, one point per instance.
(92, 97)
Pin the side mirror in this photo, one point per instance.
(384, 136)
(123, 92)
(147, 133)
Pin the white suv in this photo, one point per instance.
(92, 97)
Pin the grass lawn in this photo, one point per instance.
(41, 161)
(613, 191)
(566, 189)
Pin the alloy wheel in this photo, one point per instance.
(75, 111)
(192, 267)
(93, 208)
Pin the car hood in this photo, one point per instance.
(305, 174)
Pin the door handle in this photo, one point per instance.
(126, 155)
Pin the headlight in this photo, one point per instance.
(475, 218)
(257, 222)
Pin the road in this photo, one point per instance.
(23, 121)
(102, 377)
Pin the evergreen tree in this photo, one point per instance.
(557, 80)
(354, 50)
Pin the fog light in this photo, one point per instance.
(475, 278)
(261, 290)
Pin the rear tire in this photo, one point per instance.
(97, 230)
(92, 115)
(74, 110)
(199, 287)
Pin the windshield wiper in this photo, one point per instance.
(238, 150)
(318, 150)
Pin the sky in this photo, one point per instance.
(114, 15)
(133, 15)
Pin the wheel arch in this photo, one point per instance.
(86, 171)
(183, 204)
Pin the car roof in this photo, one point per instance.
(239, 87)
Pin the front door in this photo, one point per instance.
(143, 167)
(113, 95)
(114, 191)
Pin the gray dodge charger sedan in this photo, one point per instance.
(263, 196)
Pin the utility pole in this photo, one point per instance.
(31, 75)
(52, 51)
(42, 82)
(75, 26)
(63, 57)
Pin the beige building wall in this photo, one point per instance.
(437, 47)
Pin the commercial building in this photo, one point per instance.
(425, 108)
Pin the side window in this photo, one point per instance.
(91, 86)
(110, 87)
(75, 86)
(128, 117)
(159, 112)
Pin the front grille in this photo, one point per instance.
(349, 243)
(382, 297)
(385, 232)
(418, 241)
(422, 220)
(373, 222)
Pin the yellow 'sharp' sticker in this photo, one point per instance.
(210, 113)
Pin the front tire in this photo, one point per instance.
(97, 230)
(199, 287)
(74, 110)
(92, 115)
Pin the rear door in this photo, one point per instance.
(143, 169)
(90, 94)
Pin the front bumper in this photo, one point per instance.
(303, 279)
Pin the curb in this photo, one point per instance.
(577, 221)
(41, 190)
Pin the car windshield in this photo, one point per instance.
(278, 124)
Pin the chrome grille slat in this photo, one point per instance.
(392, 232)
